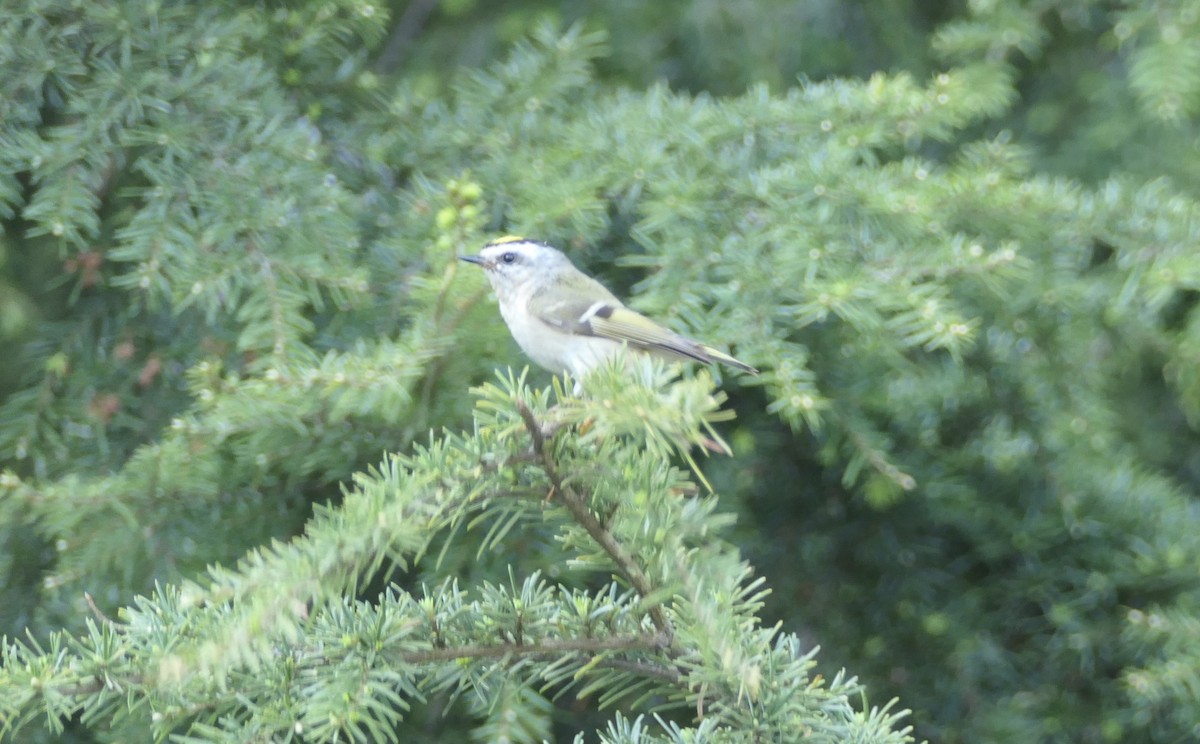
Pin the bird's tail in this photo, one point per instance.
(723, 358)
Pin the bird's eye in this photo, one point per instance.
(509, 257)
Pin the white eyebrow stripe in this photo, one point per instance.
(591, 311)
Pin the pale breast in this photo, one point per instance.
(551, 348)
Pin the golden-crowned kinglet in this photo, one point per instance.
(567, 321)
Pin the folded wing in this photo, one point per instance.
(612, 320)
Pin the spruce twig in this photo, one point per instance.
(577, 505)
(643, 642)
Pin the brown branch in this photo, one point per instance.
(879, 462)
(668, 674)
(643, 642)
(578, 507)
(104, 619)
(647, 641)
(97, 684)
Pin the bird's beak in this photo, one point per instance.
(477, 260)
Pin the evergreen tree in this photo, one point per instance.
(269, 473)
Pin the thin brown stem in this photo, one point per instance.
(668, 674)
(647, 641)
(880, 463)
(95, 685)
(578, 507)
(642, 642)
(104, 619)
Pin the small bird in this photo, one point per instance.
(567, 321)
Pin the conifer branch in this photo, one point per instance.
(95, 610)
(669, 674)
(578, 507)
(643, 642)
(878, 461)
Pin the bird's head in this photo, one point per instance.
(513, 264)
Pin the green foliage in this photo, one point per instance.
(277, 647)
(967, 469)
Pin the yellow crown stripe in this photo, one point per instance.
(508, 239)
